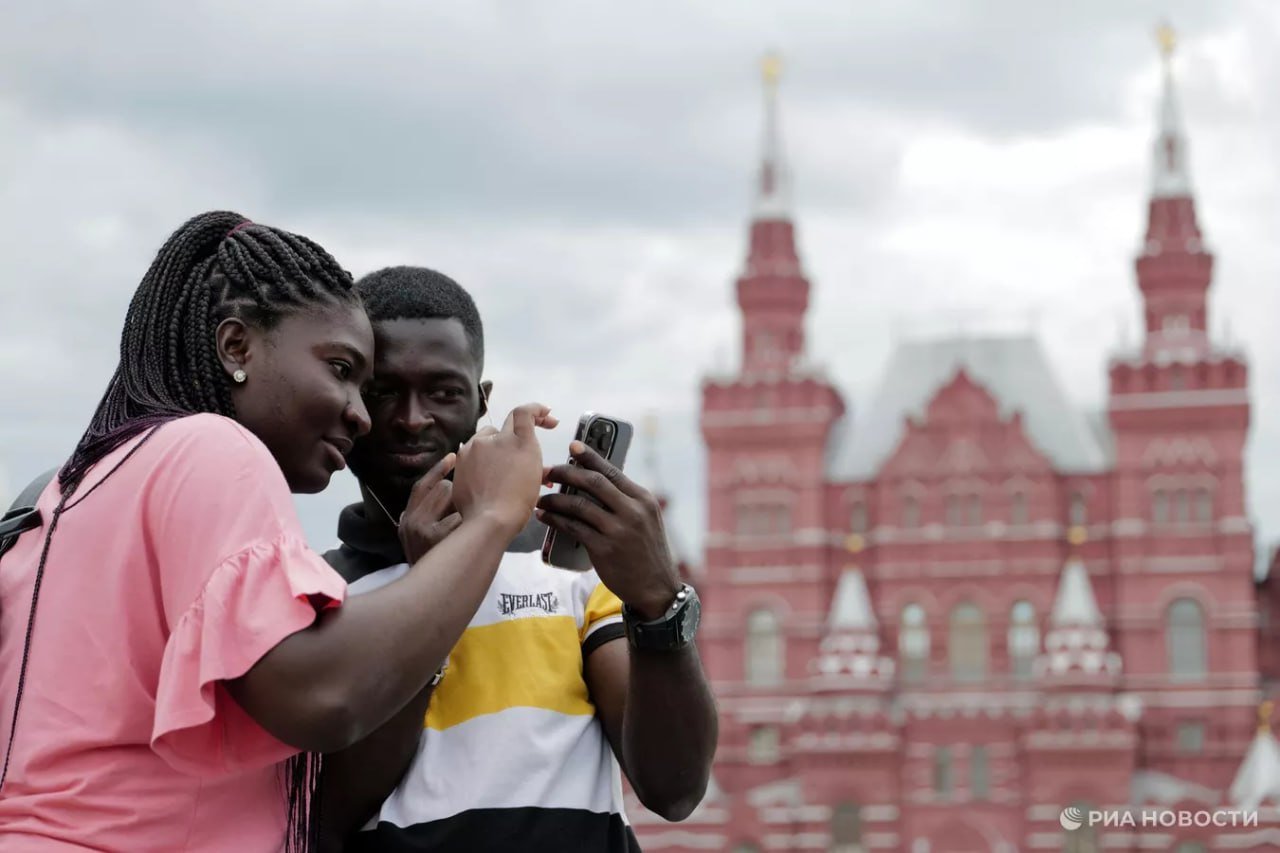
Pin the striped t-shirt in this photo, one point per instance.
(512, 756)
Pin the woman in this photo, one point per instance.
(168, 643)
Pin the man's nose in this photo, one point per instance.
(416, 417)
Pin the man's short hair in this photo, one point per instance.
(418, 293)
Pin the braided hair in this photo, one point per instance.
(216, 266)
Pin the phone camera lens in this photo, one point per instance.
(599, 436)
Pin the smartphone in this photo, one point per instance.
(611, 438)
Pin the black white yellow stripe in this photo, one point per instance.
(511, 746)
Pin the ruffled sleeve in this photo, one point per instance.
(235, 579)
(251, 602)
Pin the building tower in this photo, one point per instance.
(766, 429)
(1182, 544)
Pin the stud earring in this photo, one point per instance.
(239, 376)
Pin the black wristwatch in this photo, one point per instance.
(671, 631)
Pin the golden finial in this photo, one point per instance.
(1167, 39)
(1076, 535)
(854, 543)
(1264, 715)
(771, 68)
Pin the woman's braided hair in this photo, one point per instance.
(217, 265)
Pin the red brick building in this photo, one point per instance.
(937, 620)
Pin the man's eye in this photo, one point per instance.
(375, 392)
(447, 393)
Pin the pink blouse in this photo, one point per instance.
(179, 572)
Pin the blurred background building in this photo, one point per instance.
(940, 616)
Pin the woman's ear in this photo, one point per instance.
(486, 390)
(233, 341)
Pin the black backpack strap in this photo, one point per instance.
(23, 515)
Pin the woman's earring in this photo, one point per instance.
(239, 376)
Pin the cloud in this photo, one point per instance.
(587, 174)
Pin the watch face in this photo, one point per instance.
(689, 620)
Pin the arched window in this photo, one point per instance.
(1185, 639)
(974, 515)
(858, 517)
(913, 643)
(1181, 506)
(1018, 514)
(910, 512)
(942, 781)
(967, 643)
(763, 518)
(955, 511)
(765, 648)
(1077, 513)
(1204, 506)
(846, 829)
(1024, 639)
(1160, 507)
(979, 774)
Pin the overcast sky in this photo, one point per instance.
(959, 165)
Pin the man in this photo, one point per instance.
(550, 688)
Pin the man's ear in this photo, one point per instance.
(486, 391)
(233, 340)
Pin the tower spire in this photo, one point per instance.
(1174, 267)
(772, 291)
(1170, 177)
(771, 195)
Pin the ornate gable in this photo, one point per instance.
(963, 434)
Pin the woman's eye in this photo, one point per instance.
(341, 368)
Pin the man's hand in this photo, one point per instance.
(623, 534)
(430, 515)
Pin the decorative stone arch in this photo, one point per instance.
(1085, 486)
(963, 832)
(1201, 479)
(966, 485)
(1180, 450)
(753, 470)
(1020, 483)
(972, 592)
(856, 492)
(1187, 589)
(765, 601)
(911, 486)
(895, 602)
(1041, 598)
